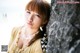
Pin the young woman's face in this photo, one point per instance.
(33, 19)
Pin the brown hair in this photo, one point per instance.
(41, 7)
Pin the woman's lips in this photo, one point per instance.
(29, 23)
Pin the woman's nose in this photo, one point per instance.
(30, 18)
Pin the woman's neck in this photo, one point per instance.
(29, 31)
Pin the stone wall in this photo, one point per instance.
(63, 28)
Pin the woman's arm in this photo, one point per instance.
(12, 39)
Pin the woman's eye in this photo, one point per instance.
(28, 12)
(38, 15)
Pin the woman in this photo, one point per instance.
(30, 38)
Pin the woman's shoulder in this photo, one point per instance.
(36, 46)
(15, 30)
(36, 43)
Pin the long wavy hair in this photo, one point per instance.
(42, 7)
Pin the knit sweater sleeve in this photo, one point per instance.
(13, 36)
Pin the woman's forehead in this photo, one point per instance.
(32, 11)
(36, 7)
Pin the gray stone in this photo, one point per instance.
(63, 28)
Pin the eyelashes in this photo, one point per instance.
(28, 12)
(35, 14)
(38, 15)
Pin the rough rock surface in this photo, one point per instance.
(63, 28)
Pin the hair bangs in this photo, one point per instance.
(36, 7)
